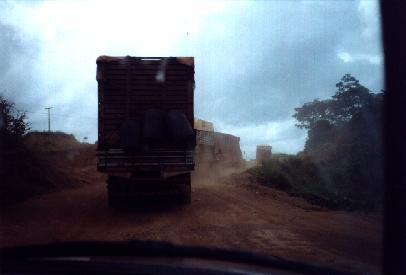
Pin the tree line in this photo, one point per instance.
(345, 141)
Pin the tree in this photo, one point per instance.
(348, 101)
(350, 98)
(311, 112)
(12, 121)
(345, 141)
(320, 133)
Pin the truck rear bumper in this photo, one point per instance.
(119, 161)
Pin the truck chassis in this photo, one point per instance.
(157, 174)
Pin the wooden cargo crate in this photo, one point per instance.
(128, 86)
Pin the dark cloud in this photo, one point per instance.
(17, 74)
(255, 62)
(276, 56)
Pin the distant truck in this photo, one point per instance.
(217, 151)
(146, 139)
(228, 151)
(205, 153)
(263, 154)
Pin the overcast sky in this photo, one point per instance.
(254, 61)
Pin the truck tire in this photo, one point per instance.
(185, 189)
(153, 126)
(130, 134)
(180, 129)
(112, 198)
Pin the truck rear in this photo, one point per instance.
(146, 139)
(263, 154)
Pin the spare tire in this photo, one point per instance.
(130, 134)
(153, 125)
(180, 129)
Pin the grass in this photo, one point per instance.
(299, 176)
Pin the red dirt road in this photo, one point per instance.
(229, 214)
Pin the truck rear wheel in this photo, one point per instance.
(113, 199)
(184, 183)
(186, 195)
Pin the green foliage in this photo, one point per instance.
(300, 176)
(12, 121)
(311, 112)
(345, 142)
(296, 175)
(350, 98)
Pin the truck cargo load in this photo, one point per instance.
(203, 125)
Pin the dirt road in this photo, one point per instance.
(232, 214)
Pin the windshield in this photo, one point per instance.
(246, 125)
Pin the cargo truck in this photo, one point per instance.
(228, 151)
(146, 139)
(263, 154)
(217, 151)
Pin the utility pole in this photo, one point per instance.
(49, 118)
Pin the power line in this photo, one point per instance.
(63, 115)
(80, 117)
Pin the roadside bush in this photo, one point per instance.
(300, 176)
(345, 143)
(12, 121)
